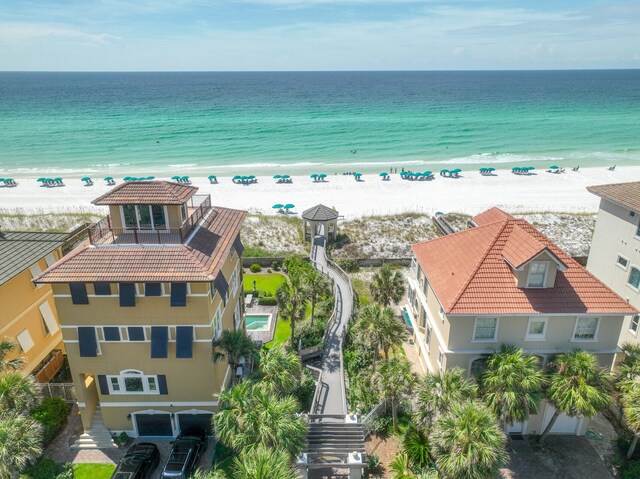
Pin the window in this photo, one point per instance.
(586, 329)
(217, 323)
(136, 333)
(634, 278)
(178, 294)
(638, 229)
(428, 338)
(633, 325)
(127, 294)
(36, 271)
(157, 213)
(51, 325)
(478, 366)
(153, 289)
(129, 214)
(111, 333)
(234, 281)
(622, 262)
(144, 216)
(485, 329)
(79, 293)
(102, 288)
(183, 212)
(536, 329)
(537, 274)
(212, 290)
(425, 287)
(441, 312)
(632, 213)
(50, 259)
(132, 382)
(440, 357)
(25, 341)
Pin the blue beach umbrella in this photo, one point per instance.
(151, 177)
(322, 176)
(314, 176)
(288, 206)
(427, 173)
(277, 206)
(383, 174)
(85, 178)
(554, 167)
(212, 177)
(39, 180)
(175, 177)
(276, 177)
(285, 177)
(491, 169)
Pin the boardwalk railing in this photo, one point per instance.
(66, 391)
(368, 420)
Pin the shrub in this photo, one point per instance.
(306, 389)
(631, 470)
(52, 413)
(268, 301)
(348, 264)
(276, 265)
(381, 425)
(46, 468)
(374, 466)
(310, 335)
(255, 268)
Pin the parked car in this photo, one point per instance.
(138, 463)
(185, 453)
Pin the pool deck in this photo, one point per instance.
(264, 336)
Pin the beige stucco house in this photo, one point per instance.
(139, 305)
(614, 256)
(28, 315)
(504, 283)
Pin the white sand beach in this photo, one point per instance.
(471, 193)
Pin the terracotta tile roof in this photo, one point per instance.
(198, 261)
(469, 275)
(522, 247)
(147, 193)
(624, 194)
(489, 216)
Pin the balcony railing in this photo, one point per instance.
(103, 233)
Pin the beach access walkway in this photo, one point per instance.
(331, 398)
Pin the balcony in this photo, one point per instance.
(102, 233)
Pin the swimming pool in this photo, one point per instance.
(407, 317)
(258, 322)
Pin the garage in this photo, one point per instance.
(563, 425)
(153, 424)
(201, 420)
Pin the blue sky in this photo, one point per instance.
(162, 35)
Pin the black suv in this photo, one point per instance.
(184, 455)
(138, 463)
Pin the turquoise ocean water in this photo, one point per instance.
(137, 124)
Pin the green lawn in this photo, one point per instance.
(93, 471)
(266, 282)
(281, 335)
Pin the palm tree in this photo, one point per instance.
(316, 286)
(577, 386)
(629, 371)
(263, 463)
(416, 445)
(468, 443)
(291, 299)
(631, 405)
(401, 466)
(6, 348)
(280, 370)
(378, 328)
(214, 473)
(232, 346)
(249, 416)
(18, 393)
(437, 392)
(20, 443)
(393, 381)
(512, 385)
(388, 286)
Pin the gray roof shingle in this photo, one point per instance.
(21, 249)
(624, 194)
(320, 213)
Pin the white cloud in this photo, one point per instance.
(19, 33)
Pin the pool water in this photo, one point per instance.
(257, 322)
(407, 317)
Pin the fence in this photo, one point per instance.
(376, 412)
(51, 367)
(66, 391)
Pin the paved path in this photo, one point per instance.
(332, 397)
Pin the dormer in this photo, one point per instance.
(533, 264)
(149, 212)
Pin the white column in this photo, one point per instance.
(302, 466)
(356, 466)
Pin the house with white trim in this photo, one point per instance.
(502, 282)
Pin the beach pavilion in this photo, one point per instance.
(320, 220)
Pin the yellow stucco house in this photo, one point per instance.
(28, 316)
(141, 301)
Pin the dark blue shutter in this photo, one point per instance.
(184, 341)
(162, 384)
(127, 294)
(159, 342)
(238, 246)
(78, 293)
(178, 294)
(136, 333)
(87, 341)
(111, 333)
(102, 382)
(152, 289)
(222, 286)
(102, 288)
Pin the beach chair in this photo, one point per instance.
(58, 181)
(213, 179)
(576, 168)
(9, 182)
(612, 168)
(185, 180)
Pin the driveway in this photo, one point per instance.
(566, 457)
(164, 446)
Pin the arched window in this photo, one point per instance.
(478, 366)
